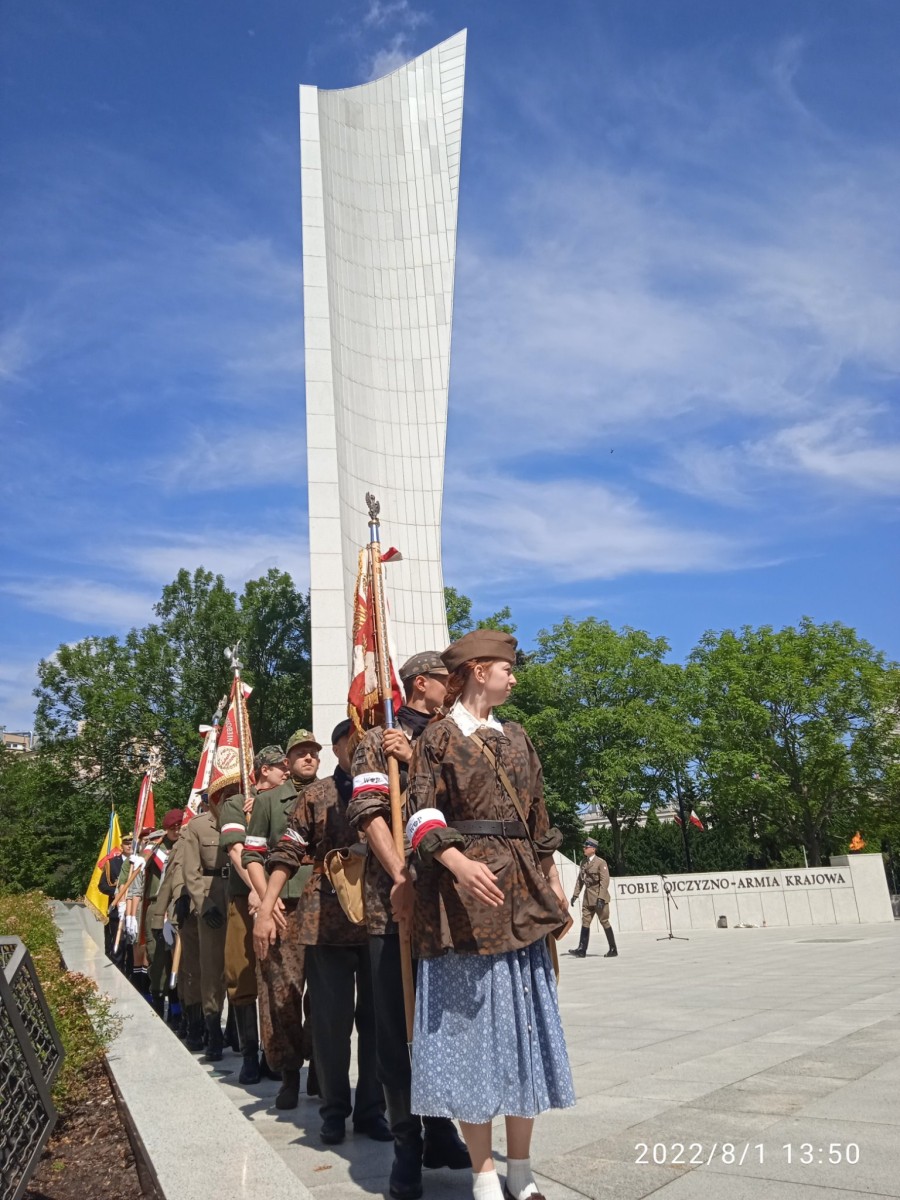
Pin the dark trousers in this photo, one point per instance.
(339, 980)
(394, 1070)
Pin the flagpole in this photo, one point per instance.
(232, 655)
(386, 698)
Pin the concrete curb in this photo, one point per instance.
(194, 1141)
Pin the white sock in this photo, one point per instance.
(486, 1186)
(519, 1179)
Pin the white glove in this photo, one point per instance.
(137, 860)
(168, 932)
(121, 907)
(131, 928)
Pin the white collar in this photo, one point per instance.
(468, 724)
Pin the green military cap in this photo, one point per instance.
(428, 662)
(269, 756)
(303, 737)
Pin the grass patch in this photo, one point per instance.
(84, 1016)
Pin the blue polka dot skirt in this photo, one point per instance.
(488, 1039)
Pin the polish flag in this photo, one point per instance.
(362, 699)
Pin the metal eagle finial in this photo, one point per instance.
(374, 508)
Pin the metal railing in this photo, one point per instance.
(31, 1054)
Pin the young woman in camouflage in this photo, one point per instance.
(488, 1039)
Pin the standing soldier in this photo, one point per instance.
(424, 679)
(281, 977)
(158, 954)
(593, 876)
(173, 903)
(337, 963)
(205, 875)
(240, 959)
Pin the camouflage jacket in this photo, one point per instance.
(449, 772)
(593, 876)
(371, 799)
(317, 824)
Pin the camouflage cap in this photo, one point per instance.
(428, 662)
(269, 756)
(302, 737)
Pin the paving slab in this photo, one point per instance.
(739, 1038)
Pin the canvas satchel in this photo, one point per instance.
(346, 870)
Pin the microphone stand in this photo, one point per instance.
(670, 936)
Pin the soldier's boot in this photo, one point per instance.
(245, 1019)
(406, 1170)
(214, 1042)
(612, 952)
(443, 1145)
(582, 945)
(232, 1033)
(157, 1003)
(312, 1079)
(289, 1092)
(173, 1017)
(266, 1071)
(194, 1039)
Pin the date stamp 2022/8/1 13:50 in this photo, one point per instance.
(737, 1154)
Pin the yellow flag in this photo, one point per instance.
(94, 898)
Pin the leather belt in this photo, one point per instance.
(216, 872)
(504, 829)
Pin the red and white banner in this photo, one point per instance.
(362, 699)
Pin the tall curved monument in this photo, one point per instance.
(379, 184)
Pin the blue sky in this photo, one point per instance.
(677, 325)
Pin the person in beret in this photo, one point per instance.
(593, 876)
(339, 977)
(488, 1040)
(432, 1142)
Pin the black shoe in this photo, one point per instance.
(333, 1131)
(250, 1072)
(611, 938)
(444, 1147)
(375, 1128)
(214, 1042)
(289, 1094)
(406, 1171)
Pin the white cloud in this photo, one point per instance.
(238, 555)
(383, 12)
(84, 600)
(18, 679)
(570, 531)
(215, 461)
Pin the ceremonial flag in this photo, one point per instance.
(204, 770)
(695, 820)
(362, 700)
(234, 738)
(94, 898)
(145, 813)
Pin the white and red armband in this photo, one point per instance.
(257, 845)
(291, 837)
(371, 781)
(423, 822)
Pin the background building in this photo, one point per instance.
(379, 186)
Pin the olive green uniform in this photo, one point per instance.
(205, 876)
(593, 876)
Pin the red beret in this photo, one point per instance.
(172, 818)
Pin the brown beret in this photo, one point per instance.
(481, 643)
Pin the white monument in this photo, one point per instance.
(379, 182)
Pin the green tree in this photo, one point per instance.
(460, 620)
(275, 649)
(608, 718)
(798, 730)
